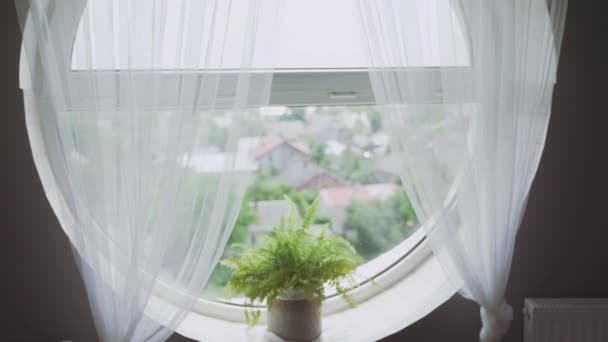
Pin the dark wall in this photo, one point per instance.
(42, 296)
(562, 246)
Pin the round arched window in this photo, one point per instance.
(322, 136)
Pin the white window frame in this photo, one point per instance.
(289, 87)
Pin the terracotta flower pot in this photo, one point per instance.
(295, 317)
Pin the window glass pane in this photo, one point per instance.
(338, 153)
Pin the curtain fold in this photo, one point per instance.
(119, 96)
(465, 88)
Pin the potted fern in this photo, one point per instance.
(290, 272)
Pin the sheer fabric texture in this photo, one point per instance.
(147, 196)
(470, 130)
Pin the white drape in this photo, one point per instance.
(114, 140)
(470, 129)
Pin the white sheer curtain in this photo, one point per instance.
(470, 128)
(145, 190)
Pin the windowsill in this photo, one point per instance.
(414, 296)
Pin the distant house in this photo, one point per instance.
(212, 161)
(291, 160)
(334, 201)
(269, 216)
(307, 175)
(277, 153)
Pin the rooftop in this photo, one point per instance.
(344, 196)
(267, 144)
(298, 174)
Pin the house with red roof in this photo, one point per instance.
(308, 175)
(291, 160)
(334, 201)
(275, 152)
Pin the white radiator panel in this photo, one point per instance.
(566, 320)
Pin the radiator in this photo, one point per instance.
(566, 320)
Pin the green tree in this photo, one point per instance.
(375, 121)
(221, 274)
(317, 153)
(218, 280)
(375, 227)
(402, 204)
(354, 169)
(267, 188)
(247, 216)
(295, 113)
